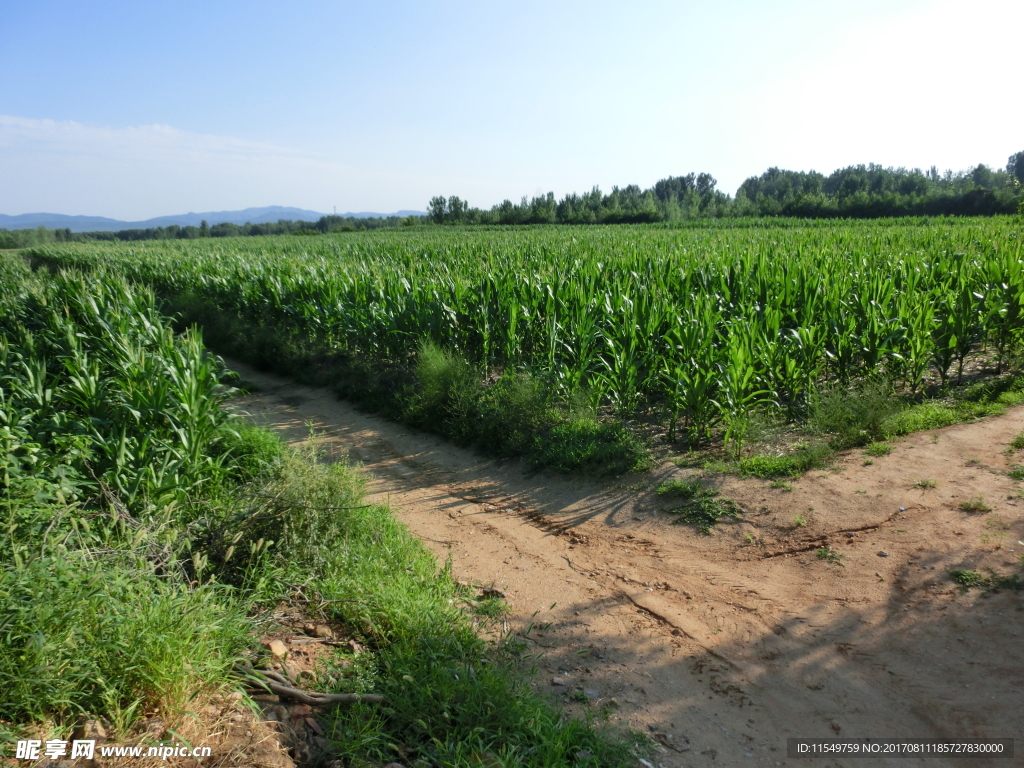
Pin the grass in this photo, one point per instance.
(790, 465)
(967, 580)
(490, 607)
(829, 555)
(975, 504)
(699, 506)
(1016, 472)
(879, 449)
(925, 485)
(1017, 443)
(782, 485)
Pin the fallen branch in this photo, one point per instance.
(276, 683)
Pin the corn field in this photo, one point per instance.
(703, 325)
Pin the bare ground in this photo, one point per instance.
(722, 646)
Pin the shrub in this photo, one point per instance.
(854, 415)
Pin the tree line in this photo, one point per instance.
(857, 191)
(25, 238)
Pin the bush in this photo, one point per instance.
(854, 415)
(585, 444)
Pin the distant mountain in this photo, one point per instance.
(270, 213)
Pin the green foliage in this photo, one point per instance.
(108, 636)
(854, 415)
(789, 465)
(583, 444)
(967, 580)
(700, 506)
(829, 555)
(974, 504)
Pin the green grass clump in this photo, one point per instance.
(790, 465)
(1016, 472)
(700, 505)
(854, 415)
(596, 447)
(829, 555)
(975, 504)
(1017, 443)
(967, 580)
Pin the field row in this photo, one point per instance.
(704, 324)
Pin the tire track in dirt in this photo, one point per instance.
(723, 646)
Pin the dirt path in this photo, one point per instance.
(725, 645)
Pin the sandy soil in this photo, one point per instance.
(722, 646)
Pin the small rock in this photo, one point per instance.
(312, 723)
(301, 710)
(558, 681)
(613, 702)
(835, 726)
(590, 693)
(279, 649)
(322, 630)
(645, 763)
(271, 717)
(677, 632)
(235, 696)
(883, 553)
(309, 629)
(394, 765)
(582, 754)
(749, 754)
(90, 730)
(155, 728)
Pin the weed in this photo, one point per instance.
(829, 555)
(789, 465)
(868, 462)
(799, 521)
(700, 505)
(975, 504)
(782, 485)
(490, 607)
(967, 580)
(860, 490)
(854, 415)
(879, 449)
(925, 484)
(1017, 443)
(1016, 472)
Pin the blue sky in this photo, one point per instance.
(133, 110)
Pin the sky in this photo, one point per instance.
(135, 110)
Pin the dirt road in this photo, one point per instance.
(723, 646)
